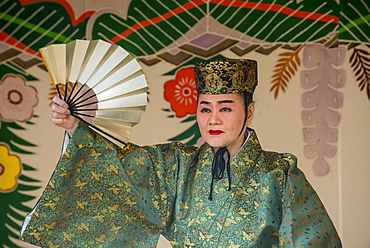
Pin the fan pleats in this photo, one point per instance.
(102, 83)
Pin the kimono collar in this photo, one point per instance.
(221, 163)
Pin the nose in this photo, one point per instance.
(214, 118)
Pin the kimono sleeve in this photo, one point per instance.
(305, 222)
(103, 196)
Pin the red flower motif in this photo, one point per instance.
(182, 93)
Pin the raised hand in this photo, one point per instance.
(60, 116)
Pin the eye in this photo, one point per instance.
(205, 110)
(225, 109)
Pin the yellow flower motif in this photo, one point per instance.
(10, 169)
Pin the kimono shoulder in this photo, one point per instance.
(158, 154)
(270, 161)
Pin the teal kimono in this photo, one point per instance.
(102, 196)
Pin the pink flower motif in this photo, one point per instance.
(17, 99)
(182, 93)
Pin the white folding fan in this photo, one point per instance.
(102, 83)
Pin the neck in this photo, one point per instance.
(235, 147)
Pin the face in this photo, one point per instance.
(221, 117)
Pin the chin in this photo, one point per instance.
(215, 143)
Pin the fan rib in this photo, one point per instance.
(60, 95)
(77, 107)
(79, 104)
(86, 115)
(70, 94)
(100, 130)
(78, 100)
(75, 95)
(65, 92)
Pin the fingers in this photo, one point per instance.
(59, 108)
(59, 112)
(60, 102)
(58, 119)
(60, 115)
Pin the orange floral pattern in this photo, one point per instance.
(181, 92)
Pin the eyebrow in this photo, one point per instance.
(219, 102)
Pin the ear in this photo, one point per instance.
(250, 114)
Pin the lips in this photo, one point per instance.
(215, 132)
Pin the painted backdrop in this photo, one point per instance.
(313, 96)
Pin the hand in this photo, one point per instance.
(60, 116)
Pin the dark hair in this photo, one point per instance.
(247, 99)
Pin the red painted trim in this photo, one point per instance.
(238, 3)
(12, 41)
(67, 7)
(157, 19)
(279, 8)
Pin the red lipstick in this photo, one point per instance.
(215, 132)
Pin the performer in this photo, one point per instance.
(226, 193)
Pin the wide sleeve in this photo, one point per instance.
(305, 222)
(102, 196)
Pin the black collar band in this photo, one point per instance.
(219, 165)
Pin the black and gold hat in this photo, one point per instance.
(226, 76)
